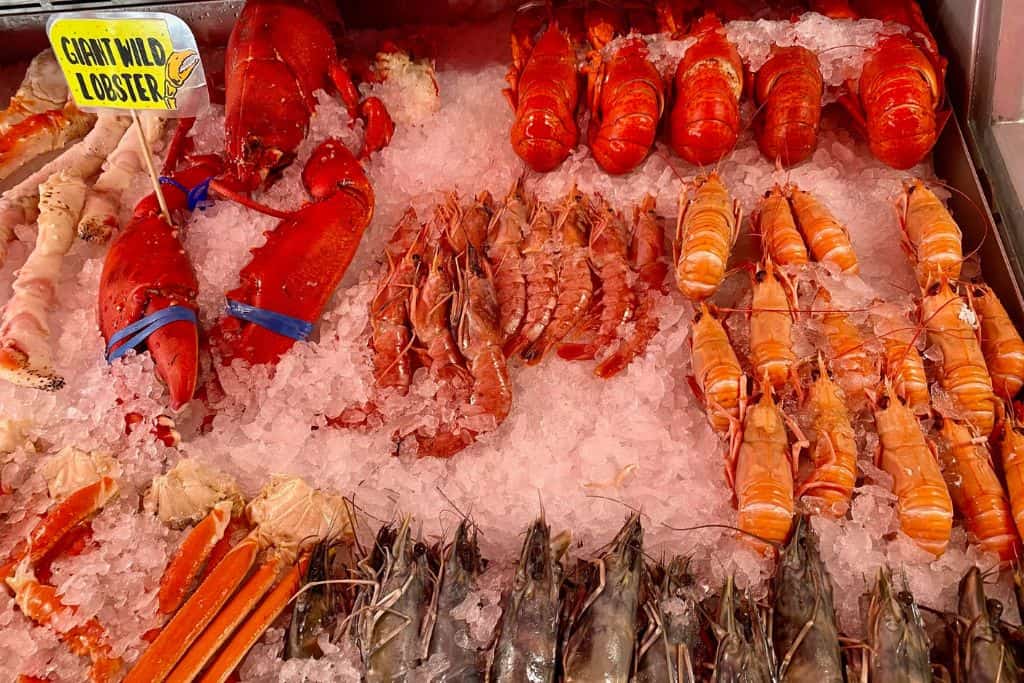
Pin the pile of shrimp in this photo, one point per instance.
(865, 372)
(403, 609)
(477, 284)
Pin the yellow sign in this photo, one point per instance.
(126, 62)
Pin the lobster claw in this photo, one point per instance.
(147, 271)
(294, 274)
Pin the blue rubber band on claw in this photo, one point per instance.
(279, 323)
(196, 196)
(140, 330)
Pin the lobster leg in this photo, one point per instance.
(193, 553)
(147, 271)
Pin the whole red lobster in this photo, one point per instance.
(626, 95)
(900, 94)
(278, 54)
(146, 272)
(544, 91)
(788, 88)
(705, 119)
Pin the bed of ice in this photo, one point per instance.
(585, 449)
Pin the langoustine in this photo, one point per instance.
(923, 503)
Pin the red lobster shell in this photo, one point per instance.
(544, 95)
(789, 89)
(626, 97)
(272, 72)
(705, 119)
(304, 258)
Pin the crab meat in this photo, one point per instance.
(288, 512)
(100, 214)
(188, 492)
(25, 354)
(43, 89)
(20, 204)
(73, 469)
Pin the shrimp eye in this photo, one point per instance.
(906, 598)
(815, 374)
(883, 402)
(934, 288)
(939, 421)
(760, 276)
(978, 293)
(698, 316)
(767, 194)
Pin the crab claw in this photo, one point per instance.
(147, 271)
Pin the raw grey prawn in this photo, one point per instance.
(398, 582)
(667, 648)
(448, 637)
(527, 643)
(602, 626)
(804, 628)
(744, 650)
(984, 655)
(897, 649)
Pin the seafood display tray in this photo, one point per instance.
(576, 441)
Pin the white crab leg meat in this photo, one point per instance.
(25, 356)
(19, 204)
(102, 206)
